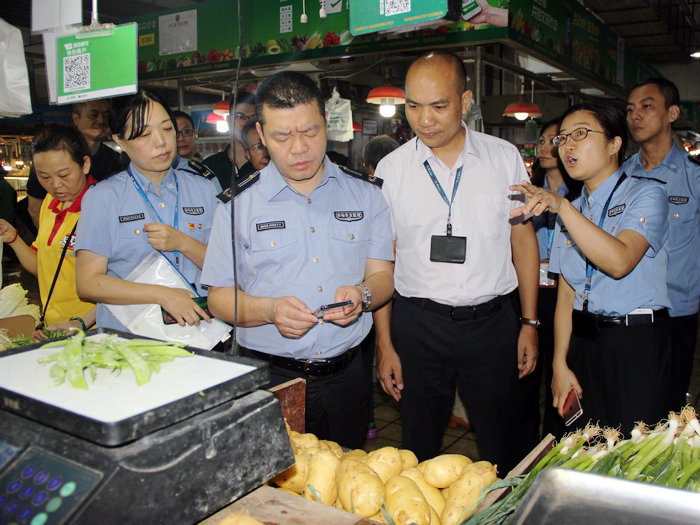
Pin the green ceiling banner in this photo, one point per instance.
(88, 66)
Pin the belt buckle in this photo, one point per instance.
(307, 365)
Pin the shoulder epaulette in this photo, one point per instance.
(197, 168)
(648, 178)
(695, 159)
(241, 186)
(361, 175)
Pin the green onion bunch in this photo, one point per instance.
(142, 356)
(667, 455)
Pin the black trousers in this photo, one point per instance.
(623, 372)
(336, 405)
(478, 356)
(684, 333)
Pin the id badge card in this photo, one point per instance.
(545, 281)
(448, 249)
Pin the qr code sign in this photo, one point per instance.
(396, 7)
(76, 72)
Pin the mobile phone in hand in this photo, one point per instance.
(572, 408)
(201, 302)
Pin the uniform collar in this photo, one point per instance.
(55, 204)
(168, 182)
(274, 183)
(674, 158)
(601, 193)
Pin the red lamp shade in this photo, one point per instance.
(386, 94)
(522, 107)
(356, 127)
(221, 108)
(213, 118)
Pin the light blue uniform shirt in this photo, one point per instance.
(545, 222)
(682, 178)
(637, 205)
(114, 213)
(288, 244)
(183, 164)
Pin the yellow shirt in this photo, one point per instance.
(55, 226)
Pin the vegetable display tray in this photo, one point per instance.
(115, 410)
(568, 496)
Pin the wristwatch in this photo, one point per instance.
(530, 322)
(366, 297)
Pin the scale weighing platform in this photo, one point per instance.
(197, 436)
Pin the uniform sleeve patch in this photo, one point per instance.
(193, 211)
(617, 210)
(131, 218)
(272, 225)
(349, 216)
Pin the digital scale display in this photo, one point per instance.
(42, 488)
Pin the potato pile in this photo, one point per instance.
(439, 491)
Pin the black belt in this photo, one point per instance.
(460, 313)
(588, 321)
(311, 367)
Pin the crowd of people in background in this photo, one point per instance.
(474, 277)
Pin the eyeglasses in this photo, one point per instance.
(187, 132)
(577, 134)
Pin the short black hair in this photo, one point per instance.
(338, 158)
(247, 128)
(377, 148)
(61, 137)
(134, 109)
(668, 90)
(242, 97)
(451, 59)
(612, 120)
(288, 90)
(78, 106)
(177, 113)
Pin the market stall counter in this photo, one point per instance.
(191, 440)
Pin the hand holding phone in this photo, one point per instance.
(325, 307)
(571, 410)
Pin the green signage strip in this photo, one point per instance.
(96, 64)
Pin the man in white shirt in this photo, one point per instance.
(459, 258)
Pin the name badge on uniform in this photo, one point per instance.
(448, 249)
(131, 218)
(678, 199)
(198, 210)
(272, 225)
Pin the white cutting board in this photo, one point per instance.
(114, 397)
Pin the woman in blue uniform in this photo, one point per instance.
(611, 319)
(149, 206)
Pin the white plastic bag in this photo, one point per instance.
(14, 81)
(339, 118)
(147, 320)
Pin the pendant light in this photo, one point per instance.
(522, 109)
(387, 96)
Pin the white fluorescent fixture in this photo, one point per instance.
(389, 110)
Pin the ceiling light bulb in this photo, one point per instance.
(387, 110)
(221, 126)
(696, 54)
(304, 19)
(322, 12)
(521, 116)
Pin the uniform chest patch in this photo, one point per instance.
(131, 218)
(272, 225)
(678, 199)
(617, 210)
(349, 216)
(193, 211)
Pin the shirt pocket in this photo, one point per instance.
(348, 250)
(277, 254)
(492, 217)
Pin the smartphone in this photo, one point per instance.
(324, 307)
(470, 8)
(572, 408)
(201, 302)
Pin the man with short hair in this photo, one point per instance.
(255, 151)
(459, 260)
(652, 107)
(186, 135)
(92, 120)
(307, 234)
(222, 163)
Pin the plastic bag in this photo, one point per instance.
(147, 320)
(339, 118)
(14, 81)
